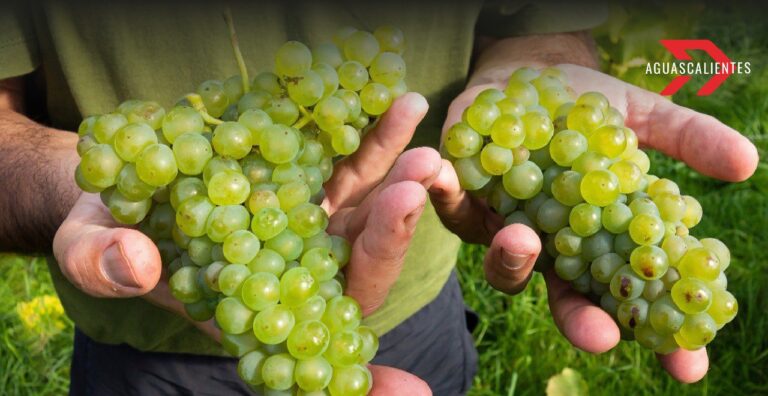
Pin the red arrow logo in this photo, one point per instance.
(678, 49)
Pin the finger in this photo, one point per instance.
(509, 261)
(700, 140)
(389, 381)
(355, 175)
(102, 259)
(461, 213)
(686, 366)
(161, 297)
(421, 165)
(378, 253)
(585, 325)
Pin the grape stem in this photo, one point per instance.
(306, 118)
(236, 49)
(197, 103)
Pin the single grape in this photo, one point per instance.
(462, 141)
(344, 348)
(277, 371)
(629, 174)
(292, 194)
(390, 38)
(279, 144)
(599, 187)
(566, 146)
(608, 140)
(590, 161)
(233, 317)
(342, 313)
(350, 381)
(292, 59)
(287, 244)
(522, 91)
(250, 364)
(691, 295)
(106, 126)
(312, 309)
(646, 229)
(156, 165)
(566, 188)
(664, 316)
(241, 247)
(214, 97)
(585, 219)
(523, 181)
(700, 263)
(362, 47)
(693, 211)
(481, 116)
(567, 242)
(597, 245)
(192, 215)
(327, 53)
(100, 166)
(228, 188)
(649, 262)
(130, 185)
(632, 313)
(585, 118)
(552, 216)
(719, 249)
(183, 285)
(538, 130)
(697, 329)
(625, 284)
(313, 374)
(616, 217)
(724, 307)
(224, 220)
(470, 172)
(345, 140)
(352, 75)
(496, 159)
(296, 286)
(570, 267)
(273, 324)
(604, 267)
(308, 339)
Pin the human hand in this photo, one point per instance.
(701, 141)
(374, 198)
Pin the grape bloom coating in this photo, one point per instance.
(228, 184)
(569, 168)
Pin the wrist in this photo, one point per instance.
(499, 58)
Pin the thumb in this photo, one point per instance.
(509, 261)
(102, 259)
(391, 381)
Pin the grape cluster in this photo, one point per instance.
(228, 184)
(570, 169)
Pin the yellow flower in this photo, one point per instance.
(43, 315)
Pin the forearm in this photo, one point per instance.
(499, 57)
(37, 186)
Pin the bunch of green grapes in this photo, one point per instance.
(571, 170)
(228, 184)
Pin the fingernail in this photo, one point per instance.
(514, 261)
(117, 268)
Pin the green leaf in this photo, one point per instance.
(568, 383)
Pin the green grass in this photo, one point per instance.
(520, 348)
(32, 362)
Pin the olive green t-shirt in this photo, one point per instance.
(93, 55)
